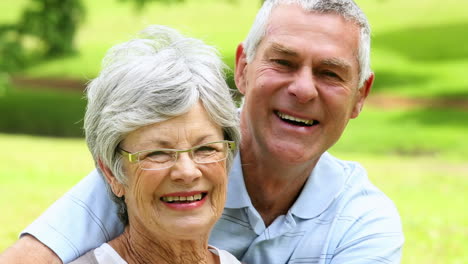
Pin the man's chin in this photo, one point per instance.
(294, 153)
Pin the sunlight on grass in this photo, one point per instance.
(35, 171)
(421, 132)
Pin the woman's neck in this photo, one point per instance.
(138, 247)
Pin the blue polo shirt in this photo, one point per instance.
(339, 217)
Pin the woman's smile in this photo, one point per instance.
(184, 200)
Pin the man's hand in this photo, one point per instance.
(29, 250)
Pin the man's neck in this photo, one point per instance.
(273, 187)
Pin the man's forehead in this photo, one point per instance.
(286, 17)
(282, 48)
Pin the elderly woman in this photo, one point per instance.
(162, 127)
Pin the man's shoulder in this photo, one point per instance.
(358, 192)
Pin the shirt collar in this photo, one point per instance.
(324, 184)
(237, 196)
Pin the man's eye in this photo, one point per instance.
(331, 74)
(282, 62)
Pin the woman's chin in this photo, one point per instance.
(189, 228)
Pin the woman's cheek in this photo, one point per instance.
(219, 181)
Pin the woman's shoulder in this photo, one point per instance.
(224, 256)
(104, 254)
(88, 258)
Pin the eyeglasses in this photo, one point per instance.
(158, 159)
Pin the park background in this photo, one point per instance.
(412, 135)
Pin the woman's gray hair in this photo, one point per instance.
(155, 77)
(345, 8)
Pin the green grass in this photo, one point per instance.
(428, 191)
(420, 132)
(35, 171)
(418, 48)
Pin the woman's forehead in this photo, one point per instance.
(170, 134)
(195, 125)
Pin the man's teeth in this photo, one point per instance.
(171, 199)
(295, 119)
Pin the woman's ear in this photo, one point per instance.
(117, 187)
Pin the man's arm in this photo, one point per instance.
(81, 220)
(29, 250)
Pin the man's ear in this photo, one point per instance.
(117, 187)
(241, 63)
(363, 93)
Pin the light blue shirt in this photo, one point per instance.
(339, 217)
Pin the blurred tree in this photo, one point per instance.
(141, 3)
(54, 23)
(11, 52)
(46, 29)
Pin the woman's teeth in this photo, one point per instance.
(172, 199)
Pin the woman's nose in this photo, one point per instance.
(185, 170)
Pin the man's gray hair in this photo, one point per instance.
(155, 77)
(348, 9)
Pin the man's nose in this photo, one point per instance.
(303, 87)
(185, 170)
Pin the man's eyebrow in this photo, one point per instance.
(279, 48)
(336, 62)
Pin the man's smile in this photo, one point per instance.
(295, 120)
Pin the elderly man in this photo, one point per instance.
(304, 71)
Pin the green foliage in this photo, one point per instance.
(141, 3)
(4, 84)
(53, 22)
(11, 51)
(45, 29)
(42, 112)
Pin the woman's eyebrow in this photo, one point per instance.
(162, 143)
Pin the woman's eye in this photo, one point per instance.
(159, 156)
(204, 150)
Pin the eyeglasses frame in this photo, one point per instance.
(133, 157)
